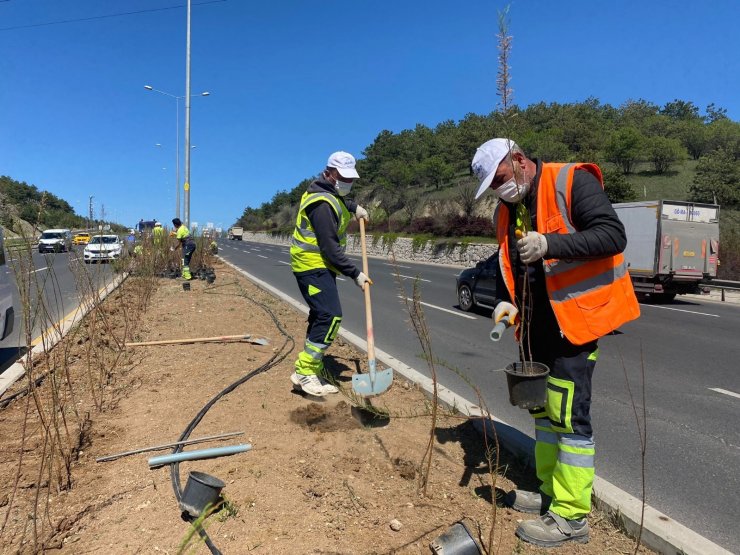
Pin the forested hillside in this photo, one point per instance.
(425, 172)
(21, 201)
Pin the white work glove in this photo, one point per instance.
(360, 212)
(532, 247)
(361, 280)
(505, 310)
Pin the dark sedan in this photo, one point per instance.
(476, 287)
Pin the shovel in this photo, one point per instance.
(374, 382)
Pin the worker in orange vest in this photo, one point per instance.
(560, 245)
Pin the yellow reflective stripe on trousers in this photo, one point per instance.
(333, 329)
(560, 403)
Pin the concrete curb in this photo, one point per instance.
(660, 532)
(54, 335)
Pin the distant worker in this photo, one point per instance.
(577, 290)
(187, 243)
(317, 257)
(158, 233)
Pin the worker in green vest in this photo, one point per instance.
(158, 233)
(187, 243)
(317, 255)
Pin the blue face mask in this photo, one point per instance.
(343, 188)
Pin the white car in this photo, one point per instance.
(55, 240)
(103, 247)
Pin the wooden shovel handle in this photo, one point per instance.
(368, 306)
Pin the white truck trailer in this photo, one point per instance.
(672, 246)
(236, 233)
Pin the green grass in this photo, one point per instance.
(672, 185)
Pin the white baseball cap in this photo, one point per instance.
(344, 162)
(487, 159)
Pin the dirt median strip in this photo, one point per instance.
(660, 532)
(316, 480)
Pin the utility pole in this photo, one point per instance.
(187, 122)
(90, 213)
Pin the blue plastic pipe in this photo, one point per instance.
(211, 453)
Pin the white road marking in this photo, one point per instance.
(34, 271)
(261, 256)
(414, 277)
(396, 265)
(468, 316)
(286, 263)
(681, 310)
(341, 278)
(720, 390)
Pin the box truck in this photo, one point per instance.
(236, 233)
(672, 246)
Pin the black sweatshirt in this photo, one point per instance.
(325, 223)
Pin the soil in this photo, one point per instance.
(316, 480)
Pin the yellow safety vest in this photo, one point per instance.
(305, 254)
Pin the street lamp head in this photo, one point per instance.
(206, 93)
(149, 87)
(157, 144)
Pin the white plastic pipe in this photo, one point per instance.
(211, 453)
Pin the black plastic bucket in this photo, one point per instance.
(457, 540)
(201, 490)
(527, 390)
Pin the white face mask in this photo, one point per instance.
(511, 191)
(343, 188)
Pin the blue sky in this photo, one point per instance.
(292, 81)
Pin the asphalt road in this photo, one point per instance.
(687, 351)
(56, 276)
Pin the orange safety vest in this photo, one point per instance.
(590, 297)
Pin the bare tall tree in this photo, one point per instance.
(503, 78)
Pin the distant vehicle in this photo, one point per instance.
(7, 313)
(55, 240)
(476, 287)
(236, 233)
(672, 246)
(81, 239)
(145, 227)
(103, 247)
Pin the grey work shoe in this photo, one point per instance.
(528, 501)
(551, 530)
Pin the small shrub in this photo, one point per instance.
(474, 226)
(418, 242)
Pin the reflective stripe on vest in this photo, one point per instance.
(590, 298)
(305, 253)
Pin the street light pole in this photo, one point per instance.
(187, 123)
(177, 138)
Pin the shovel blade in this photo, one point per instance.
(372, 383)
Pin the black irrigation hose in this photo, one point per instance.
(278, 357)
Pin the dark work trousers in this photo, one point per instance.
(319, 290)
(187, 253)
(564, 448)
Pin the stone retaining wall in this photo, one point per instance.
(403, 248)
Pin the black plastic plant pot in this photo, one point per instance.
(186, 286)
(527, 385)
(201, 491)
(457, 540)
